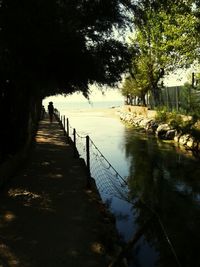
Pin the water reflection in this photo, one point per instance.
(165, 185)
(162, 181)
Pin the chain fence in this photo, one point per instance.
(107, 179)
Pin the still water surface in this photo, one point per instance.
(164, 185)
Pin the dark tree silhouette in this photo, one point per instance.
(50, 47)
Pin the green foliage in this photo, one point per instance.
(162, 41)
(195, 106)
(135, 87)
(176, 121)
(162, 115)
(172, 118)
(190, 101)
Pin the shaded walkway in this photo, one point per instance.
(47, 216)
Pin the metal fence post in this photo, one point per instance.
(177, 98)
(88, 161)
(74, 144)
(167, 97)
(64, 123)
(67, 121)
(189, 99)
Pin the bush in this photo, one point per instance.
(175, 120)
(162, 115)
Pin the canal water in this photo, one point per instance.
(164, 189)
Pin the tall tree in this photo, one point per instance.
(163, 41)
(49, 47)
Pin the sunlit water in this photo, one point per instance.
(164, 185)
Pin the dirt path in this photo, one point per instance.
(47, 217)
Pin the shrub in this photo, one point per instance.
(162, 115)
(175, 120)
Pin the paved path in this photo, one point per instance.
(47, 217)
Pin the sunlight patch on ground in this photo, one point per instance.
(52, 139)
(21, 192)
(55, 176)
(8, 257)
(28, 198)
(45, 163)
(97, 248)
(6, 217)
(9, 216)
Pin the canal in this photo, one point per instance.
(163, 190)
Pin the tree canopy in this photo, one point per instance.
(61, 45)
(53, 46)
(164, 39)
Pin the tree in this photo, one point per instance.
(136, 84)
(50, 47)
(163, 41)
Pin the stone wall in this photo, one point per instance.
(139, 111)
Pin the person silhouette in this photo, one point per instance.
(51, 111)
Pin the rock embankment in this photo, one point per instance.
(142, 118)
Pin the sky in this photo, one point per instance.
(180, 77)
(96, 95)
(109, 94)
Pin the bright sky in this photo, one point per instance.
(180, 77)
(110, 94)
(96, 95)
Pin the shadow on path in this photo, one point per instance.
(47, 216)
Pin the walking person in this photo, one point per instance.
(51, 111)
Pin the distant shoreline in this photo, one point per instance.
(108, 112)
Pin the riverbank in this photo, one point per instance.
(146, 119)
(143, 118)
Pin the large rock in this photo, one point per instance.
(152, 126)
(137, 121)
(162, 130)
(144, 122)
(190, 143)
(184, 139)
(170, 134)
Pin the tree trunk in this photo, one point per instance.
(143, 99)
(20, 115)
